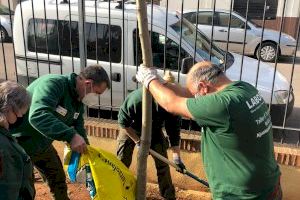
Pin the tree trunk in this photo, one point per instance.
(147, 102)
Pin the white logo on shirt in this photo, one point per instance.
(61, 110)
(254, 101)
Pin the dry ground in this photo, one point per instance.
(186, 188)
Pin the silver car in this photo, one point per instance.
(5, 23)
(237, 32)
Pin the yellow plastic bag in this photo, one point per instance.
(112, 179)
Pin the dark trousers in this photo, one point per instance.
(124, 153)
(50, 167)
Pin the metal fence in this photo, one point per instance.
(61, 37)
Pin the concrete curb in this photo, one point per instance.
(190, 140)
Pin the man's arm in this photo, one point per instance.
(132, 134)
(173, 126)
(42, 117)
(179, 90)
(79, 125)
(41, 113)
(169, 97)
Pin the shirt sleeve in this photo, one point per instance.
(131, 109)
(41, 114)
(209, 110)
(79, 125)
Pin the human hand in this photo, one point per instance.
(78, 144)
(145, 75)
(177, 160)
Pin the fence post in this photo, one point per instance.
(147, 102)
(81, 32)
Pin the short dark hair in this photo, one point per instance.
(97, 74)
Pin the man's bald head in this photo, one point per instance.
(205, 72)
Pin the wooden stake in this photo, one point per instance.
(147, 102)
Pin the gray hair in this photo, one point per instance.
(12, 96)
(97, 74)
(208, 73)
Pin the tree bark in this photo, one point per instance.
(147, 102)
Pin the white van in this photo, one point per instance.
(52, 46)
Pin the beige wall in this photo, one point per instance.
(292, 8)
(13, 3)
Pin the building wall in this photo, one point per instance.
(13, 3)
(290, 17)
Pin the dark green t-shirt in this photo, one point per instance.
(237, 143)
(130, 115)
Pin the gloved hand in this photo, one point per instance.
(138, 144)
(145, 75)
(180, 166)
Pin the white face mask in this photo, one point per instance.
(90, 99)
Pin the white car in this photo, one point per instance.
(269, 43)
(57, 51)
(5, 23)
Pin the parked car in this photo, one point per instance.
(269, 42)
(57, 50)
(5, 23)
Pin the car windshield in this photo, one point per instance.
(202, 42)
(5, 11)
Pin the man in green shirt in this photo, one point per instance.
(237, 142)
(130, 120)
(56, 113)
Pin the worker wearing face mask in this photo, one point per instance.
(56, 113)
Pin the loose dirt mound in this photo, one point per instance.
(79, 192)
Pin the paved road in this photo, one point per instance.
(284, 66)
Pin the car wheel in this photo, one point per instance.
(267, 52)
(3, 34)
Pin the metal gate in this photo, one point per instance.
(42, 37)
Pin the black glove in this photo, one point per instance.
(180, 166)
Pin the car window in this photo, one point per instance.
(158, 44)
(205, 18)
(65, 42)
(191, 17)
(102, 34)
(235, 22)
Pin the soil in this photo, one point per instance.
(79, 192)
(186, 188)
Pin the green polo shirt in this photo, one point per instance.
(54, 114)
(130, 115)
(237, 142)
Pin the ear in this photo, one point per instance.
(88, 81)
(203, 87)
